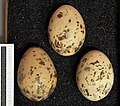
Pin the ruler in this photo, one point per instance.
(6, 67)
(6, 74)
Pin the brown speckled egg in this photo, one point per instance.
(66, 30)
(95, 75)
(36, 75)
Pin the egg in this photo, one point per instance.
(95, 75)
(36, 75)
(66, 30)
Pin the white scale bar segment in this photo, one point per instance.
(9, 74)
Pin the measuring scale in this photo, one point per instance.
(6, 60)
(7, 74)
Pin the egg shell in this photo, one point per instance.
(66, 30)
(36, 75)
(95, 75)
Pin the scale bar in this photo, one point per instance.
(7, 74)
(3, 77)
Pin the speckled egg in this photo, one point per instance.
(66, 30)
(95, 75)
(36, 75)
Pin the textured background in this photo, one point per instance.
(27, 26)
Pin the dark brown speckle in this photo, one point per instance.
(38, 90)
(51, 21)
(101, 68)
(97, 78)
(39, 97)
(107, 76)
(86, 80)
(80, 43)
(106, 91)
(58, 44)
(80, 26)
(98, 65)
(92, 80)
(82, 85)
(84, 60)
(77, 78)
(101, 74)
(48, 68)
(50, 30)
(68, 30)
(82, 32)
(93, 63)
(87, 68)
(34, 55)
(76, 49)
(31, 71)
(77, 23)
(51, 90)
(37, 74)
(69, 20)
(87, 92)
(65, 31)
(42, 62)
(55, 75)
(50, 76)
(21, 77)
(62, 37)
(94, 74)
(60, 15)
(110, 66)
(68, 46)
(77, 28)
(72, 44)
(66, 10)
(25, 91)
(58, 50)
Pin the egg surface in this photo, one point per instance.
(66, 30)
(95, 75)
(36, 75)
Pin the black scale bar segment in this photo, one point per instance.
(3, 76)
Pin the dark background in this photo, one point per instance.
(27, 26)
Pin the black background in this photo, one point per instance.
(27, 26)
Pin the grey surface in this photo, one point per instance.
(2, 8)
(28, 22)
